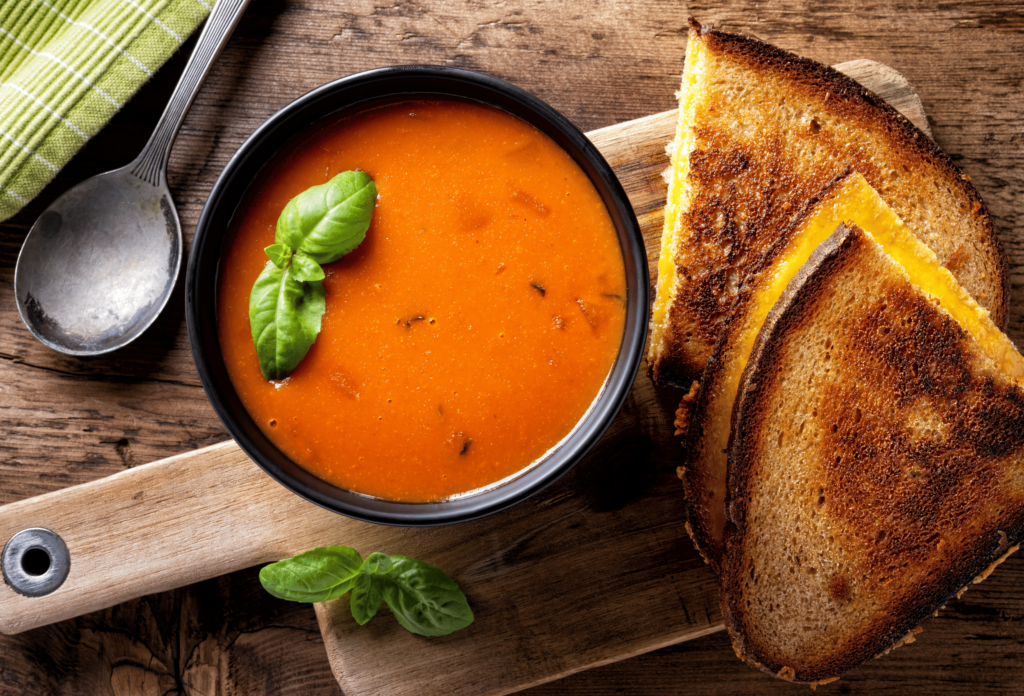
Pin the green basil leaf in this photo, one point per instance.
(278, 254)
(284, 316)
(305, 269)
(424, 599)
(329, 220)
(376, 564)
(314, 576)
(367, 594)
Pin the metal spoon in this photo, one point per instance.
(99, 264)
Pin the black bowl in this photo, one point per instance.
(303, 117)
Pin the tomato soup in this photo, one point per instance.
(471, 330)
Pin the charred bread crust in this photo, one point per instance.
(764, 356)
(791, 307)
(684, 415)
(673, 368)
(684, 412)
(851, 101)
(694, 477)
(797, 305)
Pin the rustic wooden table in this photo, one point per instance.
(67, 421)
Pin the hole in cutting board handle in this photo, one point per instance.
(35, 562)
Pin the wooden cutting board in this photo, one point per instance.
(595, 569)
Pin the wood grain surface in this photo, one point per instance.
(69, 421)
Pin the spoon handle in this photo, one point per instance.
(151, 164)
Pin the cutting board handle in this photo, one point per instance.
(220, 511)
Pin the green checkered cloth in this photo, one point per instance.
(66, 67)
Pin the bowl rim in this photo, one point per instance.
(299, 119)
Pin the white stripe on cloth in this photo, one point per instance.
(161, 24)
(21, 199)
(100, 34)
(57, 60)
(46, 106)
(29, 151)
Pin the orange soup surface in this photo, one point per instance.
(469, 332)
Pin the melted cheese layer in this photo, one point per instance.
(678, 195)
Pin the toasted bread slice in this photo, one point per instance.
(876, 463)
(848, 199)
(761, 132)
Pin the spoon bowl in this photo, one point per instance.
(99, 264)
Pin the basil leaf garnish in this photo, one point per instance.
(424, 600)
(314, 576)
(376, 564)
(304, 268)
(279, 254)
(284, 316)
(329, 220)
(367, 594)
(320, 225)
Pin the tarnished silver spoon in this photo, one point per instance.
(99, 264)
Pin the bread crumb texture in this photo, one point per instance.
(685, 410)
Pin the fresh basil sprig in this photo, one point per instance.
(423, 598)
(320, 225)
(329, 220)
(284, 315)
(313, 576)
